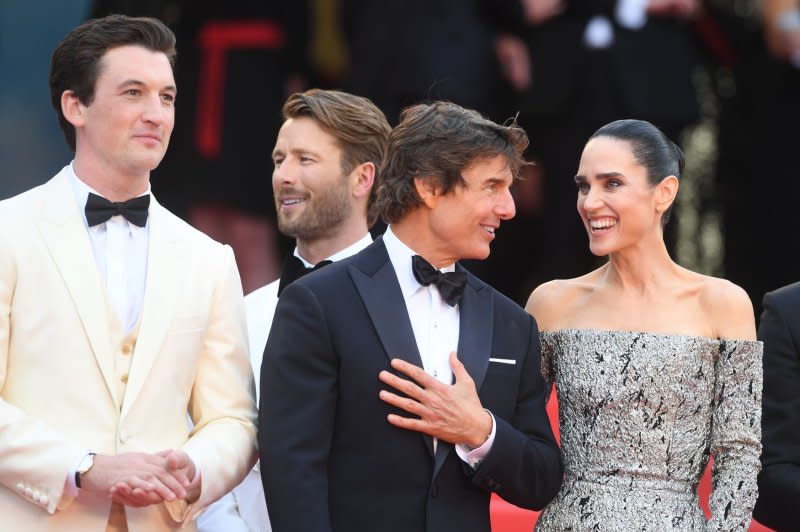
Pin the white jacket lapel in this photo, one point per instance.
(167, 263)
(65, 235)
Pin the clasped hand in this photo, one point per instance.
(142, 479)
(449, 412)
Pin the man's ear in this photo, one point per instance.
(666, 191)
(362, 179)
(426, 190)
(72, 108)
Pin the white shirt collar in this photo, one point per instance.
(82, 190)
(400, 255)
(350, 250)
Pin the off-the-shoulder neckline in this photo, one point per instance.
(646, 333)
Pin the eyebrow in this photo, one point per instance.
(603, 176)
(140, 83)
(308, 151)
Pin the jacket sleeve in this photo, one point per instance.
(299, 381)
(35, 459)
(524, 464)
(779, 480)
(222, 403)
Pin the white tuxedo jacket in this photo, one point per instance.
(58, 395)
(244, 509)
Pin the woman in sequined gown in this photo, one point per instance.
(656, 367)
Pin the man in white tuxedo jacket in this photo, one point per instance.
(116, 317)
(326, 158)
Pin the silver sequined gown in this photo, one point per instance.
(639, 415)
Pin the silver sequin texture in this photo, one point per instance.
(639, 415)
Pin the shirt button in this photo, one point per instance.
(435, 325)
(124, 378)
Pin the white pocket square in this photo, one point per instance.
(503, 360)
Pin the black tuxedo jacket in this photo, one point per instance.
(330, 461)
(779, 481)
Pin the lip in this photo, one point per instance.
(490, 230)
(149, 138)
(295, 202)
(608, 224)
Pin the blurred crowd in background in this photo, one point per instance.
(720, 77)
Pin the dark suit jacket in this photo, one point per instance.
(330, 459)
(779, 481)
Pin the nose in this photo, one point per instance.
(592, 200)
(505, 208)
(284, 173)
(155, 111)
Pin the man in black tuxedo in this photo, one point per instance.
(779, 481)
(369, 420)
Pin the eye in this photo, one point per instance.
(277, 160)
(582, 187)
(133, 92)
(613, 183)
(168, 98)
(304, 159)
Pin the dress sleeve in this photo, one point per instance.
(736, 434)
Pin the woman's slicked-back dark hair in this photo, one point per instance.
(438, 141)
(75, 64)
(651, 148)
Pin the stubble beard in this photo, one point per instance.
(320, 216)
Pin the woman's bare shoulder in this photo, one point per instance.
(728, 308)
(551, 300)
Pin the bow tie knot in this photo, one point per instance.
(450, 284)
(294, 269)
(99, 209)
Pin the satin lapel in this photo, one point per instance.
(167, 263)
(373, 274)
(476, 321)
(474, 344)
(66, 237)
(374, 277)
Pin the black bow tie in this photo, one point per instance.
(99, 209)
(450, 284)
(294, 269)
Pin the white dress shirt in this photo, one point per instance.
(349, 251)
(435, 325)
(120, 251)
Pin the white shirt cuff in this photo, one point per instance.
(72, 488)
(475, 456)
